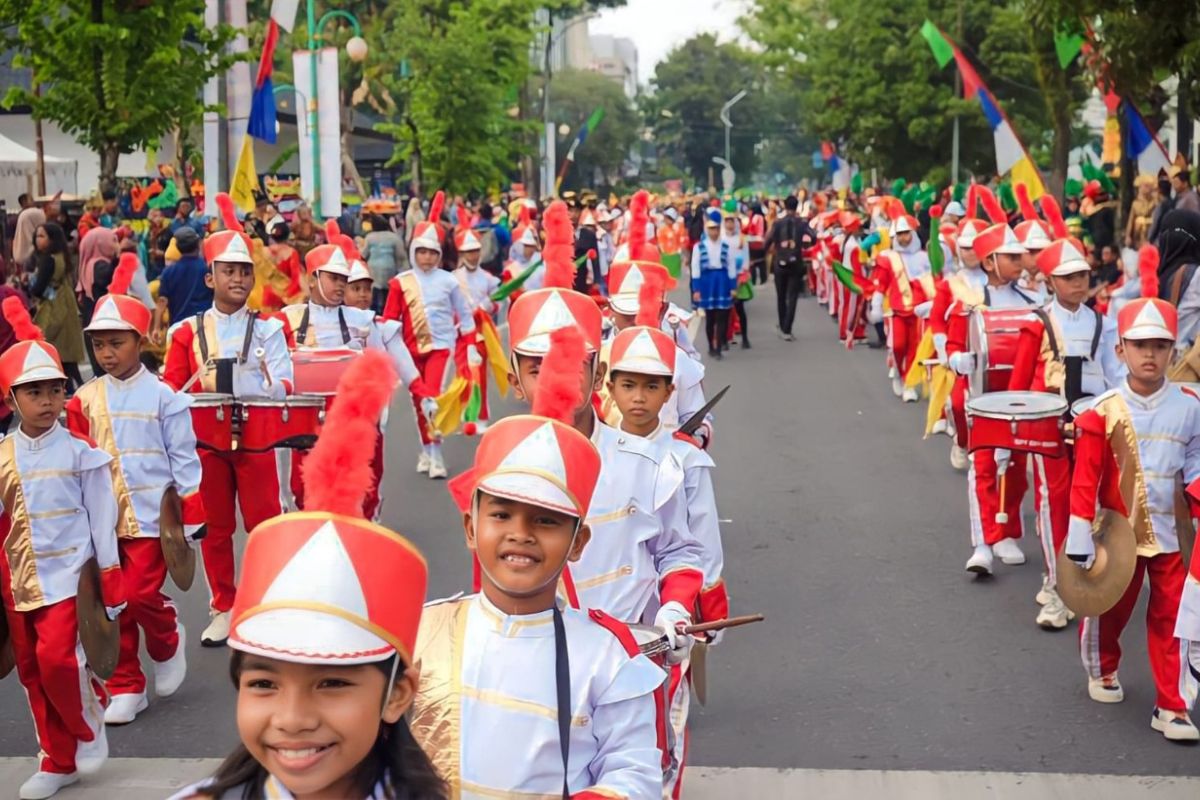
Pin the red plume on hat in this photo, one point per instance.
(334, 235)
(1025, 204)
(17, 315)
(123, 274)
(337, 473)
(1054, 217)
(436, 207)
(991, 206)
(972, 201)
(227, 211)
(639, 218)
(650, 298)
(560, 393)
(1148, 258)
(559, 252)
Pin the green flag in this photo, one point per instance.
(1067, 45)
(845, 276)
(943, 51)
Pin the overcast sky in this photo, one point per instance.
(657, 26)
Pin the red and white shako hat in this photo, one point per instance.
(427, 234)
(905, 223)
(643, 350)
(1148, 318)
(627, 279)
(1063, 257)
(466, 241)
(997, 239)
(538, 313)
(968, 229)
(327, 586)
(117, 311)
(327, 258)
(1034, 234)
(358, 272)
(231, 245)
(32, 358)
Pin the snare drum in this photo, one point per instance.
(212, 419)
(993, 335)
(293, 422)
(1024, 422)
(1081, 405)
(318, 371)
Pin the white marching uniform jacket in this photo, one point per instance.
(642, 550)
(146, 427)
(57, 491)
(324, 329)
(1074, 332)
(225, 337)
(487, 708)
(477, 285)
(391, 333)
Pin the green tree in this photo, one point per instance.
(690, 86)
(117, 75)
(574, 95)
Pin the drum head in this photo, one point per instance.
(1081, 405)
(179, 555)
(211, 399)
(1091, 592)
(1017, 405)
(977, 345)
(100, 636)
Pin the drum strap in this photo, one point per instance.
(1099, 328)
(1023, 296)
(1096, 333)
(203, 338)
(246, 341)
(562, 683)
(302, 331)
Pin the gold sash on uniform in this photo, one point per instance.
(416, 311)
(94, 397)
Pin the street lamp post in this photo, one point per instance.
(728, 166)
(356, 48)
(547, 176)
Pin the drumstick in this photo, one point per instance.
(722, 624)
(1002, 515)
(259, 352)
(192, 380)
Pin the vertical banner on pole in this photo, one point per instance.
(212, 120)
(239, 87)
(301, 65)
(329, 131)
(548, 187)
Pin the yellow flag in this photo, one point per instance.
(245, 177)
(1026, 172)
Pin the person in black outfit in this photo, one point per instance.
(790, 236)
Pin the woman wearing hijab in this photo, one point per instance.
(1179, 253)
(23, 247)
(57, 312)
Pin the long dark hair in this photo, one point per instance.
(396, 761)
(58, 238)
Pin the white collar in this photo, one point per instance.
(515, 625)
(1145, 401)
(220, 315)
(37, 443)
(1060, 309)
(128, 383)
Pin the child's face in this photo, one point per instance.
(525, 380)
(968, 257)
(427, 259)
(312, 725)
(39, 404)
(640, 398)
(904, 238)
(358, 294)
(1147, 359)
(1007, 267)
(326, 288)
(1071, 290)
(117, 352)
(522, 548)
(471, 258)
(231, 282)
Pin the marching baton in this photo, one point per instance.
(722, 624)
(696, 420)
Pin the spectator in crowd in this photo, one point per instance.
(385, 254)
(182, 291)
(57, 312)
(28, 222)
(1181, 181)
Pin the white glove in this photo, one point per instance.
(473, 357)
(112, 612)
(1003, 456)
(962, 363)
(1080, 546)
(875, 312)
(429, 408)
(939, 344)
(923, 309)
(669, 618)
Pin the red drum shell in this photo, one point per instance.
(1024, 422)
(318, 371)
(293, 423)
(994, 336)
(212, 420)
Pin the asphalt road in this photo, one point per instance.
(849, 533)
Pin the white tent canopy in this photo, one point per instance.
(18, 172)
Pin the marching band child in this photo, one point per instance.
(324, 630)
(57, 492)
(146, 427)
(477, 286)
(434, 312)
(1158, 423)
(514, 657)
(261, 367)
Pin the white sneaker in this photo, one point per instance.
(1009, 552)
(1054, 616)
(938, 427)
(169, 674)
(217, 631)
(980, 561)
(90, 756)
(1046, 592)
(46, 784)
(892, 373)
(437, 467)
(124, 708)
(897, 386)
(910, 395)
(1175, 726)
(959, 457)
(423, 463)
(1106, 689)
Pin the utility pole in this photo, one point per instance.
(727, 174)
(39, 143)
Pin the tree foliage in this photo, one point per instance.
(574, 95)
(116, 75)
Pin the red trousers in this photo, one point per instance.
(906, 335)
(1100, 637)
(983, 497)
(370, 501)
(63, 696)
(433, 370)
(149, 609)
(850, 319)
(1052, 501)
(484, 415)
(252, 480)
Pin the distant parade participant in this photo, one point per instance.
(146, 427)
(851, 313)
(434, 312)
(477, 286)
(256, 349)
(902, 275)
(1161, 421)
(715, 268)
